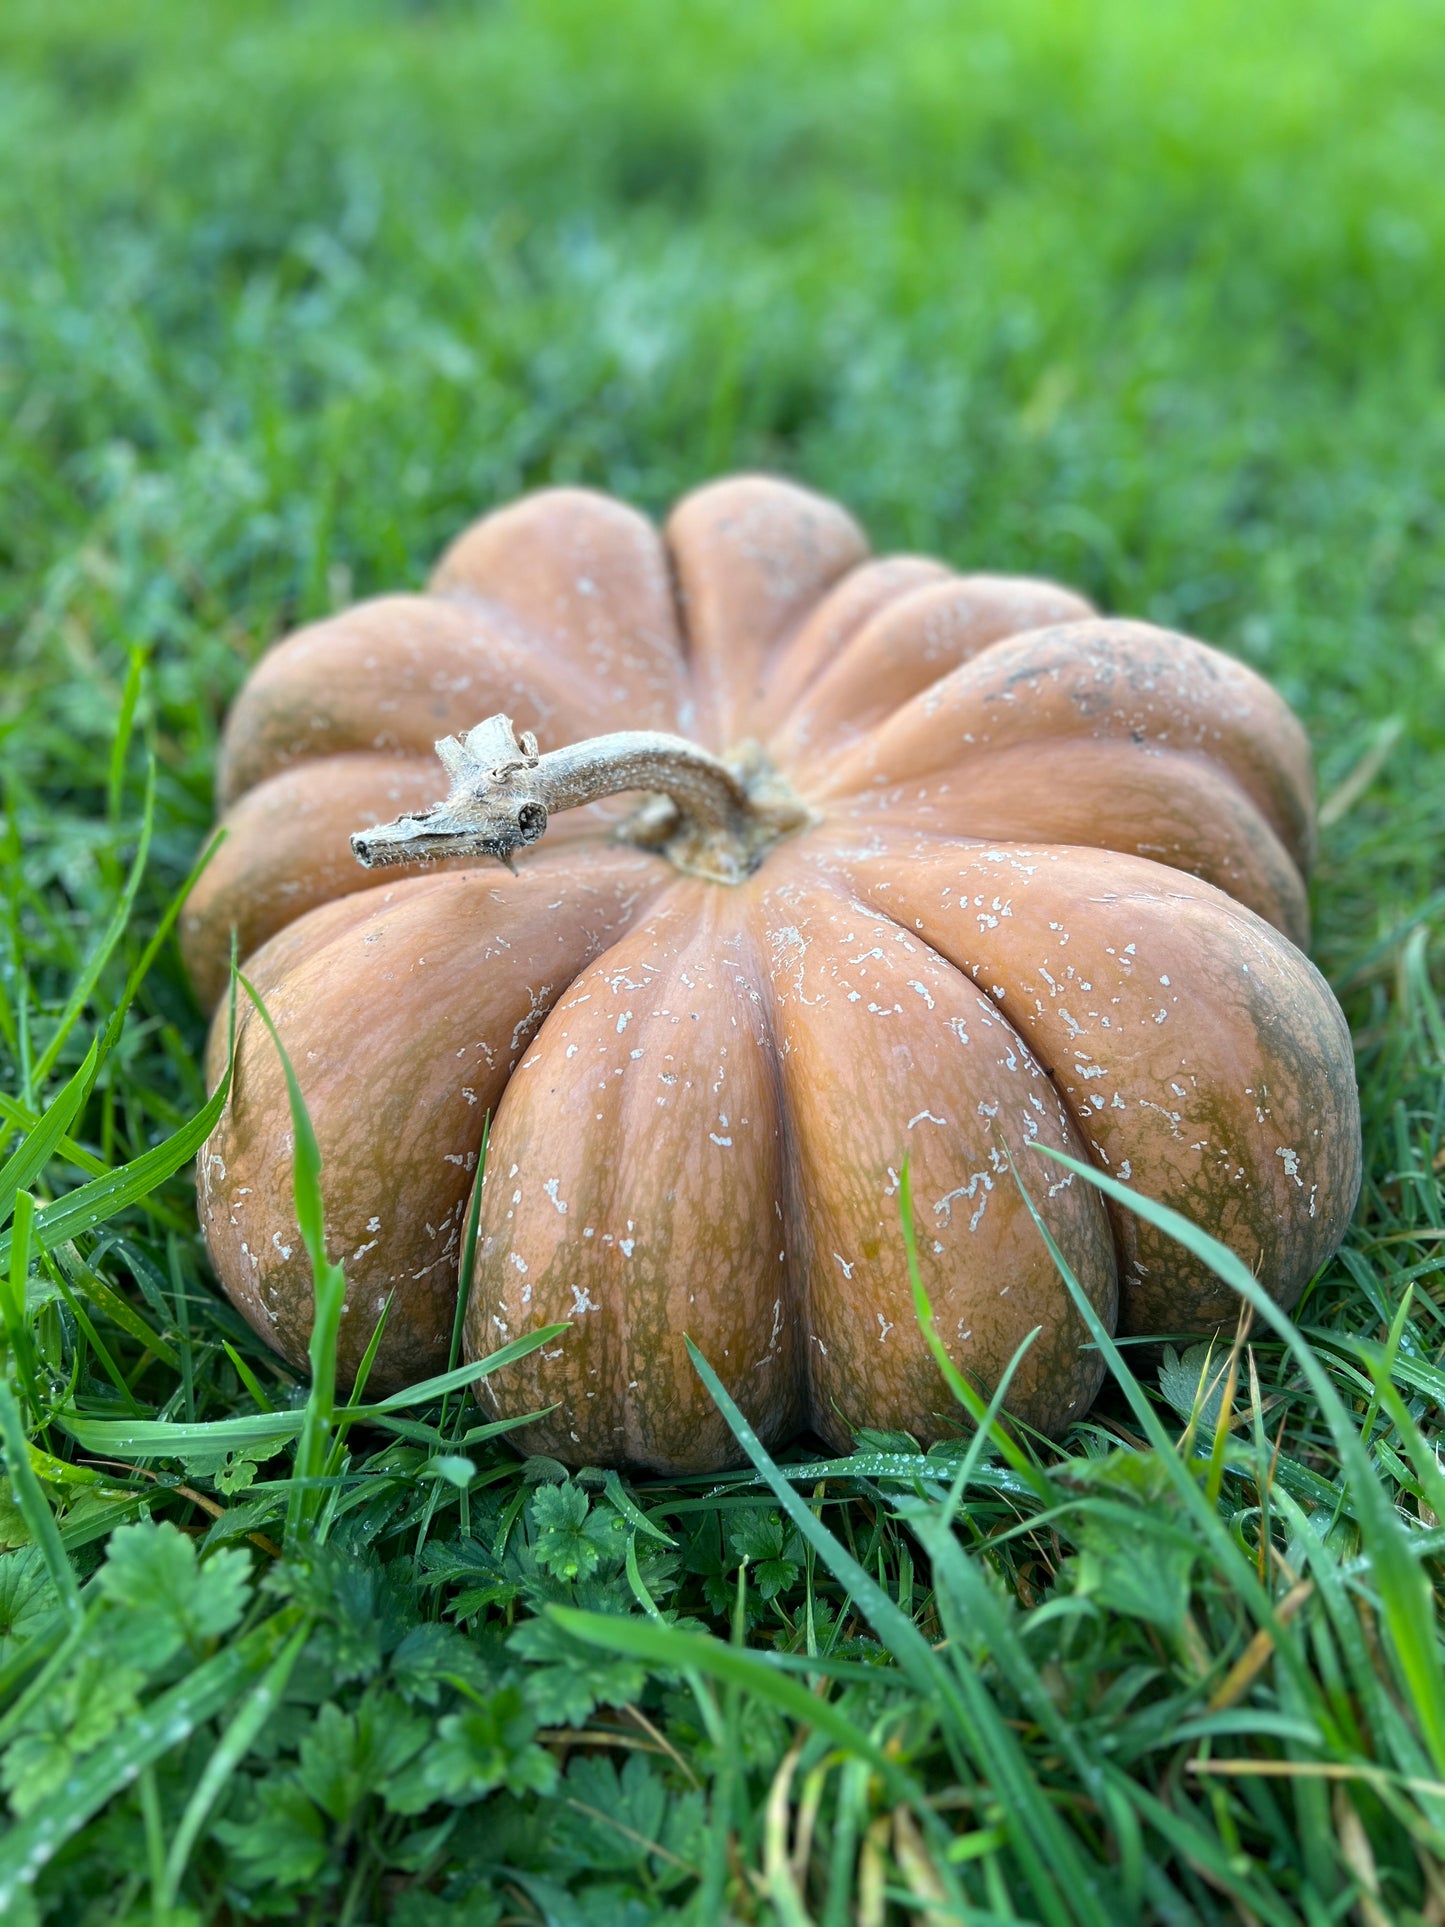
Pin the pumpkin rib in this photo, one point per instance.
(392, 675)
(910, 644)
(285, 852)
(1171, 807)
(1281, 1206)
(293, 942)
(399, 1130)
(951, 1067)
(635, 1165)
(854, 601)
(917, 932)
(753, 556)
(589, 575)
(1108, 680)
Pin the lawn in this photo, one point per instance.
(1145, 298)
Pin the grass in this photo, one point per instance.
(1146, 298)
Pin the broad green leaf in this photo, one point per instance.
(347, 1756)
(28, 1599)
(284, 1841)
(566, 1679)
(475, 1751)
(160, 1725)
(152, 1568)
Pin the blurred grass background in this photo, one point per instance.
(1145, 297)
(1148, 297)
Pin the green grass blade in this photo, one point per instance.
(164, 925)
(1227, 1553)
(1417, 1373)
(254, 1388)
(467, 1263)
(90, 975)
(85, 1160)
(14, 1278)
(92, 1337)
(91, 1204)
(1200, 1846)
(495, 1428)
(1039, 1838)
(163, 1439)
(1405, 1592)
(672, 1650)
(235, 1743)
(329, 1295)
(120, 1312)
(618, 1498)
(129, 696)
(20, 1170)
(428, 1389)
(910, 1649)
(34, 1506)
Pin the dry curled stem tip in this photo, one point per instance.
(492, 809)
(710, 815)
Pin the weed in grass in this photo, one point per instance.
(1141, 298)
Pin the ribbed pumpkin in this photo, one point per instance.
(953, 867)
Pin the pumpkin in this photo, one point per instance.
(847, 860)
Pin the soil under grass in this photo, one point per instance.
(1147, 299)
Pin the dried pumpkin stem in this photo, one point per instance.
(710, 816)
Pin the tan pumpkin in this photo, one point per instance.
(951, 866)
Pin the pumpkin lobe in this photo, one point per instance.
(886, 1052)
(469, 961)
(638, 1187)
(1200, 1053)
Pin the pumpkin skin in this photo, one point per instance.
(1052, 893)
